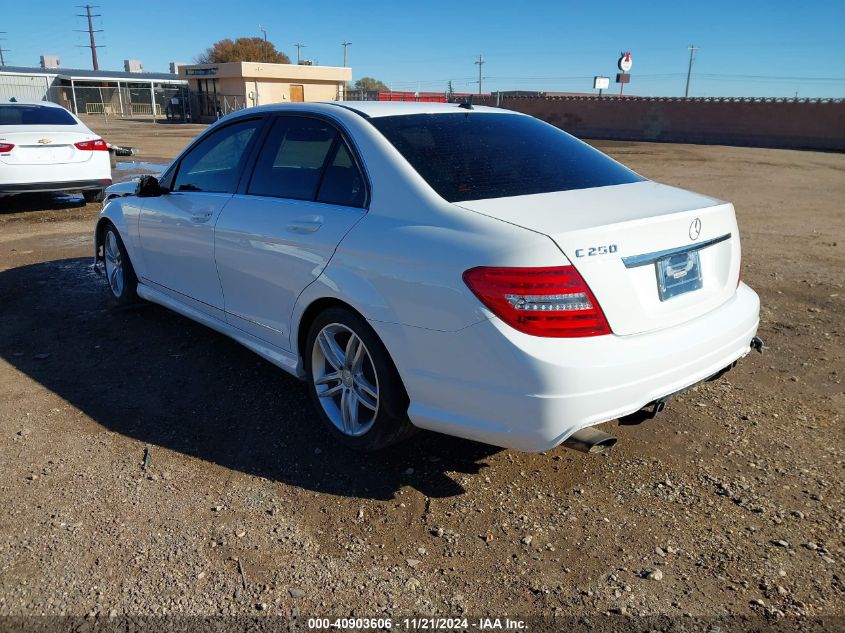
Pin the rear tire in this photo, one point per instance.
(94, 195)
(353, 383)
(120, 275)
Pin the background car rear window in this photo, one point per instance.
(34, 115)
(473, 156)
(291, 162)
(214, 165)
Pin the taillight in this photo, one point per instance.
(95, 145)
(552, 302)
(5, 148)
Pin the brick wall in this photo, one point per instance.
(800, 124)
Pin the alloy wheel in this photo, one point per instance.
(114, 264)
(345, 379)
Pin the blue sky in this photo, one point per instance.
(750, 48)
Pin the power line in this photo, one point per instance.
(480, 61)
(90, 30)
(692, 50)
(771, 77)
(345, 45)
(298, 47)
(650, 77)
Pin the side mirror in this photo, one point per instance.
(148, 187)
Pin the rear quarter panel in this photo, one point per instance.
(410, 273)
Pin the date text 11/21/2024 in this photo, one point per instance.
(417, 624)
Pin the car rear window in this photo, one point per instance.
(478, 155)
(34, 115)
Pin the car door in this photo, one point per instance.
(176, 229)
(277, 234)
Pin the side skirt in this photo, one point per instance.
(278, 357)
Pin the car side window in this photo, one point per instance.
(214, 164)
(342, 183)
(293, 157)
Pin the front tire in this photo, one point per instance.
(120, 275)
(353, 383)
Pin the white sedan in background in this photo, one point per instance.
(45, 148)
(472, 271)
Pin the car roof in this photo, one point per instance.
(48, 104)
(375, 109)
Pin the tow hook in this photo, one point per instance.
(757, 344)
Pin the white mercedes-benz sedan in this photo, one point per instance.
(45, 148)
(468, 270)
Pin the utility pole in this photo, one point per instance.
(480, 61)
(298, 47)
(90, 30)
(692, 50)
(345, 45)
(3, 50)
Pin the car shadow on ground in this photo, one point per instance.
(40, 202)
(153, 375)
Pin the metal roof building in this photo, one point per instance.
(95, 92)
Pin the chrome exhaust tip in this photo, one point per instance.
(589, 440)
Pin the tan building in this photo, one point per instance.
(221, 88)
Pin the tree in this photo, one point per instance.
(370, 84)
(243, 49)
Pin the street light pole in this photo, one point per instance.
(345, 45)
(263, 30)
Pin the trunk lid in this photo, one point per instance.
(628, 240)
(44, 145)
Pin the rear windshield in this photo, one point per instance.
(34, 115)
(473, 156)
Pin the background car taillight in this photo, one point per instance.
(5, 148)
(95, 145)
(552, 302)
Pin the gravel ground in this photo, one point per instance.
(153, 467)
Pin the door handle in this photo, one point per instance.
(199, 218)
(304, 227)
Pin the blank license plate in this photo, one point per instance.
(678, 274)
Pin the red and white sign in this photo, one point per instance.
(625, 63)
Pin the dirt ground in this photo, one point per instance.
(729, 504)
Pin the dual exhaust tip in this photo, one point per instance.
(589, 440)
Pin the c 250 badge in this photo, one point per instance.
(596, 250)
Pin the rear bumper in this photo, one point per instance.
(51, 187)
(496, 385)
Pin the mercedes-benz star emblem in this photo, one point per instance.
(695, 229)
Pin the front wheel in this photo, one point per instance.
(353, 382)
(119, 272)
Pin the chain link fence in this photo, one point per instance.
(155, 101)
(133, 101)
(29, 89)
